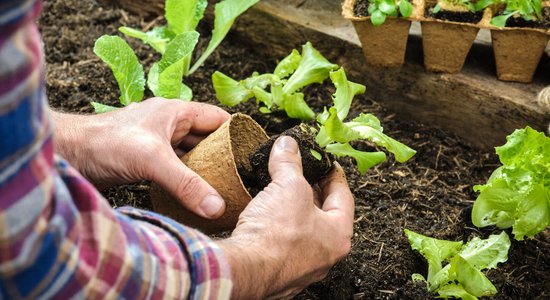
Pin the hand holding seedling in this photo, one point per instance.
(138, 142)
(285, 240)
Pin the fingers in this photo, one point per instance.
(188, 187)
(203, 118)
(285, 159)
(338, 197)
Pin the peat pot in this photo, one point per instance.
(384, 45)
(445, 43)
(217, 159)
(518, 50)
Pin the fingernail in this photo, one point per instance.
(211, 205)
(287, 143)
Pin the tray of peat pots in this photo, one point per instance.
(520, 30)
(382, 27)
(449, 28)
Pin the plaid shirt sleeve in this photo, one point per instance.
(59, 239)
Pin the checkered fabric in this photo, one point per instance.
(59, 238)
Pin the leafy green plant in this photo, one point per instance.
(379, 10)
(335, 135)
(279, 90)
(454, 268)
(452, 4)
(529, 10)
(175, 42)
(517, 193)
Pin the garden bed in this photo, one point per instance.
(431, 194)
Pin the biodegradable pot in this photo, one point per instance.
(217, 159)
(445, 43)
(518, 52)
(385, 45)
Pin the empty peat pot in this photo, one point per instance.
(217, 160)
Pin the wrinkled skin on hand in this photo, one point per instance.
(142, 142)
(287, 237)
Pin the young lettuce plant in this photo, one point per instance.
(529, 10)
(292, 74)
(517, 193)
(455, 6)
(461, 277)
(175, 42)
(379, 10)
(332, 136)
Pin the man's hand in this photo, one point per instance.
(287, 239)
(140, 142)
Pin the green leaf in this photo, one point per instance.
(406, 8)
(435, 251)
(153, 79)
(171, 65)
(345, 92)
(482, 4)
(517, 194)
(436, 9)
(296, 107)
(365, 160)
(500, 21)
(229, 91)
(378, 18)
(402, 152)
(186, 93)
(313, 68)
(337, 131)
(487, 253)
(263, 97)
(102, 108)
(225, 14)
(316, 154)
(388, 7)
(473, 281)
(455, 291)
(288, 65)
(184, 15)
(128, 72)
(157, 38)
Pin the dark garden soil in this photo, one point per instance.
(463, 17)
(543, 23)
(431, 194)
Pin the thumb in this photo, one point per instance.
(285, 159)
(188, 188)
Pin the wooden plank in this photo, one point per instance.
(473, 104)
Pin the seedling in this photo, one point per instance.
(461, 277)
(292, 74)
(517, 194)
(379, 10)
(529, 10)
(330, 135)
(454, 6)
(175, 42)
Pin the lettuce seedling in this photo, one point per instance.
(461, 277)
(175, 42)
(517, 193)
(335, 135)
(455, 6)
(379, 10)
(292, 74)
(329, 136)
(529, 10)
